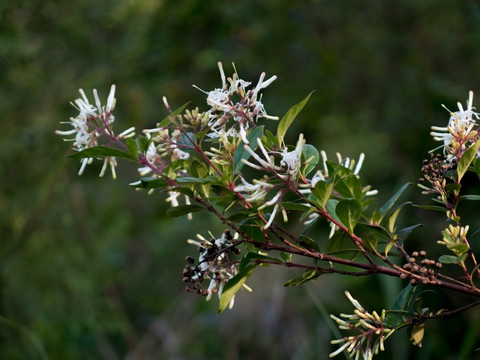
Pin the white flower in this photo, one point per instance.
(459, 126)
(234, 102)
(91, 123)
(292, 159)
(257, 191)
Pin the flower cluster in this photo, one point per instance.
(234, 103)
(371, 328)
(438, 172)
(91, 123)
(454, 238)
(287, 172)
(214, 265)
(459, 134)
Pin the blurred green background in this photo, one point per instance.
(90, 269)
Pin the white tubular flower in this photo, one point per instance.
(267, 164)
(110, 160)
(233, 107)
(459, 128)
(91, 123)
(292, 159)
(370, 328)
(256, 191)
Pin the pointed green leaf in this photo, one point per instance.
(194, 180)
(306, 276)
(295, 206)
(142, 143)
(431, 207)
(149, 183)
(309, 243)
(404, 298)
(403, 233)
(459, 249)
(470, 197)
(388, 247)
(182, 210)
(349, 212)
(310, 152)
(450, 259)
(350, 188)
(418, 331)
(132, 147)
(467, 159)
(391, 202)
(249, 259)
(241, 153)
(167, 120)
(287, 120)
(233, 285)
(370, 241)
(101, 152)
(322, 192)
(393, 218)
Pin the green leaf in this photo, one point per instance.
(194, 180)
(150, 183)
(418, 331)
(308, 152)
(350, 187)
(295, 206)
(477, 168)
(470, 197)
(322, 192)
(391, 202)
(453, 188)
(459, 249)
(255, 255)
(389, 246)
(349, 212)
(309, 243)
(306, 276)
(403, 233)
(241, 153)
(187, 139)
(393, 218)
(173, 114)
(286, 256)
(132, 147)
(183, 210)
(142, 143)
(370, 241)
(245, 269)
(450, 259)
(430, 207)
(287, 120)
(466, 160)
(404, 298)
(272, 138)
(101, 152)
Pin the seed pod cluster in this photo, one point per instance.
(419, 264)
(215, 263)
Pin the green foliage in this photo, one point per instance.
(79, 268)
(288, 118)
(466, 160)
(100, 152)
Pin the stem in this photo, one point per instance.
(200, 151)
